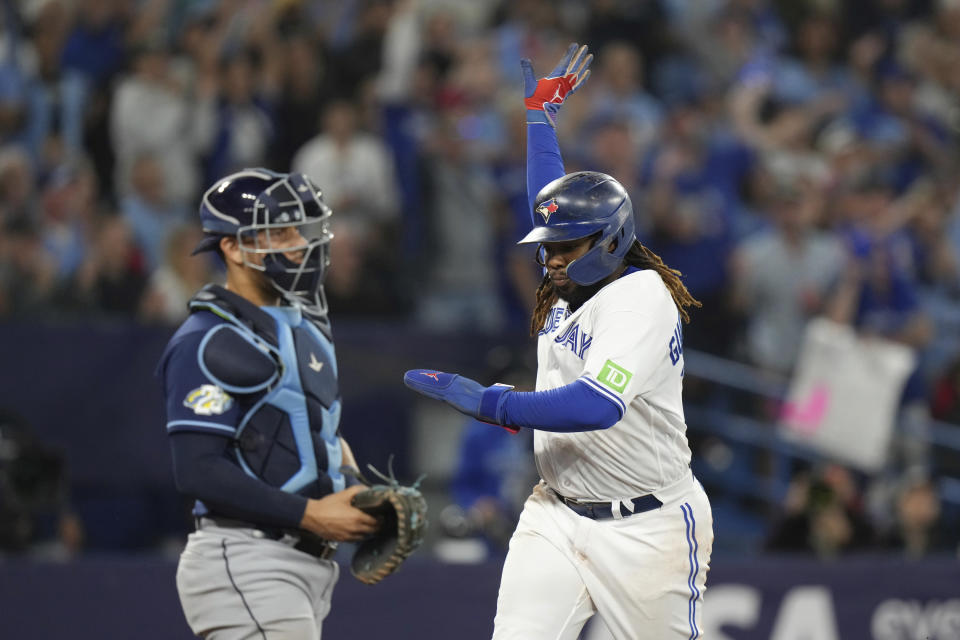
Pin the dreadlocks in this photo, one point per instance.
(638, 256)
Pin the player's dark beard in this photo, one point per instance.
(576, 294)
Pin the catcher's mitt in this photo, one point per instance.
(402, 511)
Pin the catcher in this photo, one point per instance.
(253, 409)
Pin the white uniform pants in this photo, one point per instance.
(644, 574)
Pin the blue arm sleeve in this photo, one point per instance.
(574, 407)
(203, 470)
(544, 163)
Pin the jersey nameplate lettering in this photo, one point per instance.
(676, 343)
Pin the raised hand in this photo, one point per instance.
(543, 97)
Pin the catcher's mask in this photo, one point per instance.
(579, 205)
(251, 203)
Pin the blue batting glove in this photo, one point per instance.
(463, 394)
(543, 97)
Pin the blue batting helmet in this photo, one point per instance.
(252, 202)
(580, 205)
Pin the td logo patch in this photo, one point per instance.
(208, 400)
(614, 377)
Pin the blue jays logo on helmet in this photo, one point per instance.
(547, 208)
(579, 205)
(249, 204)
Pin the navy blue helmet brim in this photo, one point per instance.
(209, 243)
(557, 234)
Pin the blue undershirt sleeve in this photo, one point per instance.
(574, 407)
(544, 163)
(203, 470)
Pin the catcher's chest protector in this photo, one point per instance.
(282, 370)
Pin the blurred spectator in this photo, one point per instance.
(181, 126)
(354, 170)
(617, 93)
(926, 211)
(643, 23)
(95, 44)
(68, 206)
(930, 49)
(823, 514)
(249, 84)
(494, 476)
(692, 179)
(781, 132)
(877, 294)
(916, 530)
(28, 274)
(885, 21)
(113, 278)
(356, 173)
(946, 394)
(304, 93)
(18, 187)
(179, 276)
(55, 97)
(356, 61)
(495, 472)
(813, 70)
(780, 277)
(912, 142)
(724, 36)
(148, 210)
(461, 286)
(878, 290)
(945, 406)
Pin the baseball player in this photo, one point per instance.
(618, 525)
(250, 387)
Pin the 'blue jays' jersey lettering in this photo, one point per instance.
(554, 318)
(576, 340)
(573, 337)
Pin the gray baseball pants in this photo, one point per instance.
(236, 584)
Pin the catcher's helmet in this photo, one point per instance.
(579, 205)
(252, 201)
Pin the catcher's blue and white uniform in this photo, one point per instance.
(253, 407)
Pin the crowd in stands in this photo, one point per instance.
(793, 159)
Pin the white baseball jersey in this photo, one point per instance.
(626, 343)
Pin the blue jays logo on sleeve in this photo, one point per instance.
(208, 400)
(547, 208)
